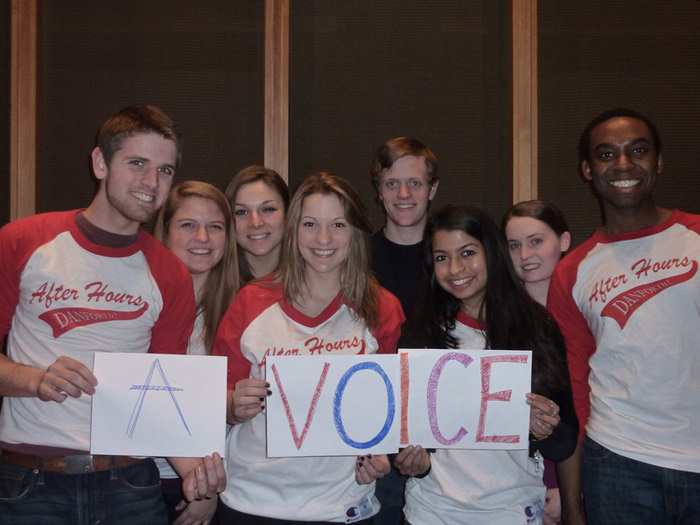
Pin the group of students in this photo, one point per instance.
(306, 263)
(271, 271)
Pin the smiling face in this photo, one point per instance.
(405, 192)
(258, 211)
(136, 182)
(459, 262)
(197, 234)
(324, 234)
(623, 165)
(535, 248)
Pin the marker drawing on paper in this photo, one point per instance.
(142, 397)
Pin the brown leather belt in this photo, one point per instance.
(74, 464)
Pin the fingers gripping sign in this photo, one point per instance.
(66, 377)
(247, 399)
(544, 415)
(412, 461)
(206, 480)
(371, 467)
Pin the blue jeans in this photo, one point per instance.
(129, 495)
(622, 491)
(390, 493)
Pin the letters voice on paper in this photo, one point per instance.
(359, 404)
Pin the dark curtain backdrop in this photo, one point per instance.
(362, 72)
(201, 62)
(598, 55)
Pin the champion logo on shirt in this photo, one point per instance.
(533, 511)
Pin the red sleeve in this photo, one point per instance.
(228, 337)
(18, 241)
(580, 344)
(9, 276)
(171, 332)
(391, 317)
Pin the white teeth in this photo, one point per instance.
(405, 206)
(324, 252)
(528, 267)
(142, 196)
(200, 251)
(460, 282)
(624, 183)
(257, 237)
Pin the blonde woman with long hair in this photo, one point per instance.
(196, 224)
(323, 289)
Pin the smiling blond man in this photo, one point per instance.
(404, 174)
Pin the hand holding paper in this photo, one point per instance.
(66, 377)
(544, 414)
(203, 478)
(413, 460)
(247, 399)
(371, 467)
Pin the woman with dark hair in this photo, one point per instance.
(259, 199)
(476, 301)
(323, 289)
(538, 236)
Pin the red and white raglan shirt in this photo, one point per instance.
(260, 323)
(488, 487)
(629, 308)
(63, 295)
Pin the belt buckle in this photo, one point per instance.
(79, 464)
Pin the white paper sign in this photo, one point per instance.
(353, 405)
(338, 406)
(467, 399)
(158, 405)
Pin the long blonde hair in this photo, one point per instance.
(222, 282)
(358, 287)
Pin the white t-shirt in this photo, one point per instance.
(259, 323)
(484, 487)
(629, 308)
(62, 295)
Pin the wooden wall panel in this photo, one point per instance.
(23, 107)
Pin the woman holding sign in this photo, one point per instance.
(323, 290)
(475, 301)
(196, 224)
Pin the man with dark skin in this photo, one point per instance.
(627, 301)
